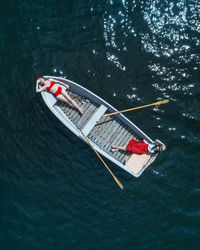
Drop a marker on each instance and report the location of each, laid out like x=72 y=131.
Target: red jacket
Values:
x=137 y=147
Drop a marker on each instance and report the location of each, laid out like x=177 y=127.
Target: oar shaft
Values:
x=117 y=181
x=144 y=106
x=127 y=110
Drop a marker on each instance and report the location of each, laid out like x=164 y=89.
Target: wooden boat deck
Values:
x=107 y=132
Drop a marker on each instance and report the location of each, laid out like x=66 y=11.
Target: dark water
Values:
x=55 y=194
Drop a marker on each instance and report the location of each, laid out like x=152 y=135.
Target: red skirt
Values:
x=137 y=147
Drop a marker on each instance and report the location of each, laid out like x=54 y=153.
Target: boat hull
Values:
x=102 y=132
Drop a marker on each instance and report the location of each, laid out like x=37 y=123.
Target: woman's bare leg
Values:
x=73 y=103
x=63 y=99
x=117 y=148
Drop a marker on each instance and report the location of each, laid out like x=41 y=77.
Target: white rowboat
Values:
x=102 y=132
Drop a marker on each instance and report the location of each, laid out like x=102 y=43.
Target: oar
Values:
x=126 y=110
x=120 y=185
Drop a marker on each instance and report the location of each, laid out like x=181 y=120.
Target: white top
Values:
x=151 y=147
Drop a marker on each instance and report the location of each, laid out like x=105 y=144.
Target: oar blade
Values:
x=161 y=102
x=119 y=184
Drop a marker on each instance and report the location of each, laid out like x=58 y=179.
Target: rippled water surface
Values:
x=55 y=193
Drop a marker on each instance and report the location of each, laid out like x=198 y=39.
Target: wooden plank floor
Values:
x=110 y=131
x=79 y=120
x=107 y=132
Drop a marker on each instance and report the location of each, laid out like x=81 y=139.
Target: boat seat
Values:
x=137 y=162
x=94 y=119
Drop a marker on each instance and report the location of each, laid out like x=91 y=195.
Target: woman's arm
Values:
x=62 y=83
x=36 y=86
x=39 y=89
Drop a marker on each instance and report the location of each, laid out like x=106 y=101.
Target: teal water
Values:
x=55 y=193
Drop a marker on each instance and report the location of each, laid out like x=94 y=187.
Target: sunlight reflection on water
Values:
x=168 y=33
x=170 y=28
x=113 y=26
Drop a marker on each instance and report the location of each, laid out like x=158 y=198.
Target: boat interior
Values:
x=102 y=131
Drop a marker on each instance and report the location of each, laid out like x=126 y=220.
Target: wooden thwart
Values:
x=94 y=119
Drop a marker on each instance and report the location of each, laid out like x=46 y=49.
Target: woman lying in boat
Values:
x=141 y=147
x=57 y=91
